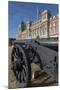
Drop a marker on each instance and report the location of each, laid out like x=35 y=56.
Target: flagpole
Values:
x=37 y=13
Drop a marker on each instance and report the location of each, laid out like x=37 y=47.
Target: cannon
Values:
x=43 y=52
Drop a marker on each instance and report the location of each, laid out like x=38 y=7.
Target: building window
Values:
x=43 y=31
x=56 y=29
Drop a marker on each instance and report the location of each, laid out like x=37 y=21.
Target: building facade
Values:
x=45 y=27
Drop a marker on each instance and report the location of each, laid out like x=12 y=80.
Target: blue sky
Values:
x=18 y=11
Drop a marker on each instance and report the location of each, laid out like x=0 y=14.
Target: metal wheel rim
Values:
x=21 y=74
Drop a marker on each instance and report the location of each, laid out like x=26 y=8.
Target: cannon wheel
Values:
x=21 y=67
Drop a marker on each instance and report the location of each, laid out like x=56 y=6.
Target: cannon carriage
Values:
x=43 y=52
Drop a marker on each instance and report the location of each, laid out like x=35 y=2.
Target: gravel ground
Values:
x=11 y=78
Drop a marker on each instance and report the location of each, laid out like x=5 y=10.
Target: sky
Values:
x=18 y=11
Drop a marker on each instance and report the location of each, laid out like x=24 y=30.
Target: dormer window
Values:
x=44 y=17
